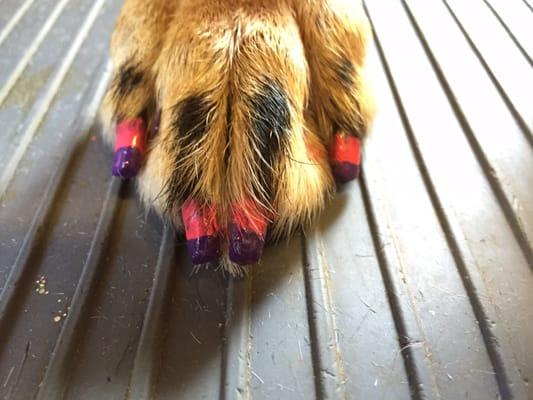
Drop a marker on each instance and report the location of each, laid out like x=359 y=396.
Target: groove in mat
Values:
x=326 y=351
x=54 y=383
x=17 y=72
x=40 y=109
x=491 y=173
x=493 y=336
x=148 y=352
x=14 y=20
x=236 y=353
x=88 y=110
x=521 y=122
x=509 y=32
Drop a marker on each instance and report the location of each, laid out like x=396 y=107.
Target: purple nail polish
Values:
x=201 y=231
x=345 y=172
x=204 y=249
x=127 y=162
x=246 y=246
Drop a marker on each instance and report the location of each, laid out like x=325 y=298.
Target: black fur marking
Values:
x=189 y=125
x=270 y=127
x=127 y=79
x=190 y=119
x=345 y=72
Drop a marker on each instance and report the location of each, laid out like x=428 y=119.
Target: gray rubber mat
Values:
x=416 y=282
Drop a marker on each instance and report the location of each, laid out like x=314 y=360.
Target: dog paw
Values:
x=238 y=116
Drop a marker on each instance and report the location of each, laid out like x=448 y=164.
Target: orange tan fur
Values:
x=348 y=32
x=229 y=57
x=138 y=36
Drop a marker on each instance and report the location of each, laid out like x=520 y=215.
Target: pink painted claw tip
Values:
x=201 y=232
x=130 y=144
x=345 y=157
x=247 y=234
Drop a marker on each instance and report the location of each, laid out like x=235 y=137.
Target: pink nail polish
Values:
x=130 y=146
x=247 y=234
x=345 y=157
x=201 y=232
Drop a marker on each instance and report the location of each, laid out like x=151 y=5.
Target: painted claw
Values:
x=201 y=232
x=345 y=157
x=247 y=234
x=130 y=146
x=127 y=162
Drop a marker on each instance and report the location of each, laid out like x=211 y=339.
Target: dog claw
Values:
x=247 y=235
x=130 y=146
x=201 y=232
x=345 y=157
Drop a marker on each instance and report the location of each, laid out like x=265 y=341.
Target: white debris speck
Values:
x=41 y=286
